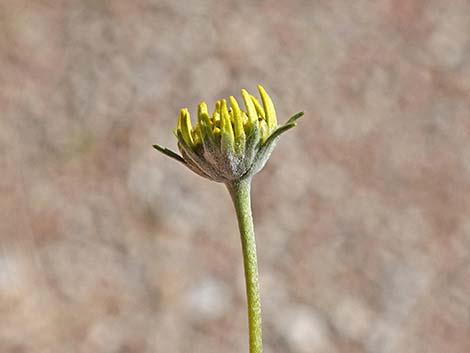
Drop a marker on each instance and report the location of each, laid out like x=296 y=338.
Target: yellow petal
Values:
x=216 y=132
x=259 y=108
x=184 y=125
x=250 y=107
x=264 y=130
x=216 y=114
x=226 y=126
x=204 y=122
x=268 y=108
x=202 y=108
x=237 y=118
x=197 y=134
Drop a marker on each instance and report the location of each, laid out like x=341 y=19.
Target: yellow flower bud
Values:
x=231 y=144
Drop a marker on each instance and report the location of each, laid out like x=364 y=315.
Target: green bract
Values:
x=230 y=144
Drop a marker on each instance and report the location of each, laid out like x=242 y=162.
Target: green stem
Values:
x=240 y=193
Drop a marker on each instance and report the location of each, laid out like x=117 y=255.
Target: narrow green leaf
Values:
x=278 y=132
x=294 y=117
x=169 y=153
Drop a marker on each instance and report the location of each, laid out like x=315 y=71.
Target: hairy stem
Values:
x=240 y=193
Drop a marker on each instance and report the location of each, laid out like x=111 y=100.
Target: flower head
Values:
x=230 y=144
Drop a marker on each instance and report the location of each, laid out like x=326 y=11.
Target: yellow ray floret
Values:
x=204 y=122
x=184 y=126
x=259 y=109
x=237 y=118
x=232 y=125
x=250 y=108
x=226 y=125
x=268 y=108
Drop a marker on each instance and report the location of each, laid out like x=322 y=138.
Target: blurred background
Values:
x=362 y=213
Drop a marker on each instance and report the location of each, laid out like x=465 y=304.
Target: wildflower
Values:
x=229 y=144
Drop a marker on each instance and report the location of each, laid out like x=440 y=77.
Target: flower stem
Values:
x=240 y=193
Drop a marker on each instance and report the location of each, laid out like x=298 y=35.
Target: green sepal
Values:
x=267 y=146
x=287 y=126
x=169 y=153
x=278 y=132
x=190 y=154
x=294 y=117
x=193 y=166
x=251 y=147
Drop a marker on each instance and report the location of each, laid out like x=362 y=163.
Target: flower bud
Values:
x=231 y=144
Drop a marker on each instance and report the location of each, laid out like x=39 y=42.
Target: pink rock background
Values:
x=362 y=213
